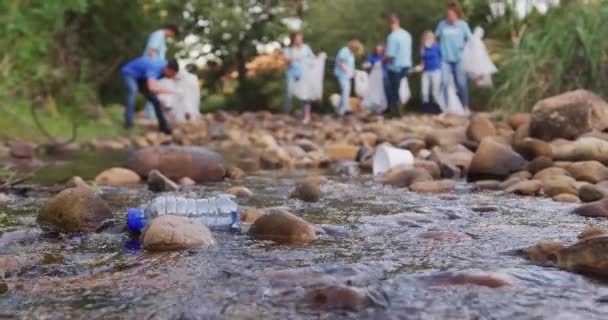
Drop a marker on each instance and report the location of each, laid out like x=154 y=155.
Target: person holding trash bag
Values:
x=453 y=34
x=344 y=71
x=141 y=74
x=295 y=55
x=398 y=57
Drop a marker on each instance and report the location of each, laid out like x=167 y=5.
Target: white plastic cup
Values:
x=388 y=157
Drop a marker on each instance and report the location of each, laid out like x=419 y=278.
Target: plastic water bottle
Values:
x=217 y=213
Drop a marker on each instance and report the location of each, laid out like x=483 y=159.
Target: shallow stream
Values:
x=375 y=237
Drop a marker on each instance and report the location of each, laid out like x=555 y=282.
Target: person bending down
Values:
x=141 y=74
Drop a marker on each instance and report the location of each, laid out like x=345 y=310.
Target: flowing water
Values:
x=375 y=238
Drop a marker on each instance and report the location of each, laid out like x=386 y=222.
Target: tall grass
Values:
x=566 y=49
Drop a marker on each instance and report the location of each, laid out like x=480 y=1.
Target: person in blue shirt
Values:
x=453 y=34
x=156 y=48
x=431 y=71
x=398 y=57
x=141 y=74
x=377 y=56
x=344 y=71
x=295 y=54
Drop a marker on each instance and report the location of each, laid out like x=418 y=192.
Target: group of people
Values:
x=441 y=63
x=162 y=83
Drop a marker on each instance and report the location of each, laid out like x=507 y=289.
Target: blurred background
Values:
x=62 y=57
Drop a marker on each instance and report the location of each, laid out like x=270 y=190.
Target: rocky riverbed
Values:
x=485 y=225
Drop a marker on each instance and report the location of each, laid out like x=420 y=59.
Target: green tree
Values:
x=234 y=29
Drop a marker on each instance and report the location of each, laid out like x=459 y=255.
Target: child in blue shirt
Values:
x=431 y=71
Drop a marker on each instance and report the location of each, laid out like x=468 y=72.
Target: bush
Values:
x=562 y=51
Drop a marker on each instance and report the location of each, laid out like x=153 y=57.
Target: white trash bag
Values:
x=361 y=83
x=454 y=104
x=375 y=98
x=310 y=85
x=184 y=104
x=404 y=91
x=476 y=61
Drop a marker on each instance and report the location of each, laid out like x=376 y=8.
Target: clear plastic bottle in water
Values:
x=217 y=213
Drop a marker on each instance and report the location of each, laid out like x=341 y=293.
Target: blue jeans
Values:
x=454 y=70
x=393 y=79
x=345 y=89
x=133 y=85
x=149 y=111
x=288 y=103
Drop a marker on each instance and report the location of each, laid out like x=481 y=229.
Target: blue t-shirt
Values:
x=156 y=41
x=294 y=70
x=144 y=68
x=348 y=58
x=453 y=38
x=432 y=57
x=399 y=48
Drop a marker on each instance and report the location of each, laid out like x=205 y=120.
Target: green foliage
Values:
x=564 y=50
x=330 y=24
x=232 y=30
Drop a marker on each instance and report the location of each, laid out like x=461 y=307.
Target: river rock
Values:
x=275 y=158
x=592 y=193
x=592 y=232
x=568 y=115
x=531 y=148
x=342 y=151
x=551 y=173
x=239 y=192
x=588 y=256
x=473 y=278
x=589 y=171
x=566 y=198
x=404 y=176
x=539 y=164
x=519 y=119
x=234 y=173
x=480 y=127
x=75 y=210
x=559 y=185
x=544 y=253
x=282 y=227
x=157 y=182
x=338 y=297
x=22 y=150
x=307 y=191
x=118 y=177
x=510 y=182
x=186 y=182
x=526 y=188
x=494 y=160
x=439 y=186
x=250 y=215
x=199 y=164
x=526 y=175
x=597 y=209
x=77 y=182
x=171 y=233
x=430 y=166
x=582 y=149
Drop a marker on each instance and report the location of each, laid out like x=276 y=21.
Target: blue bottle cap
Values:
x=136 y=219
